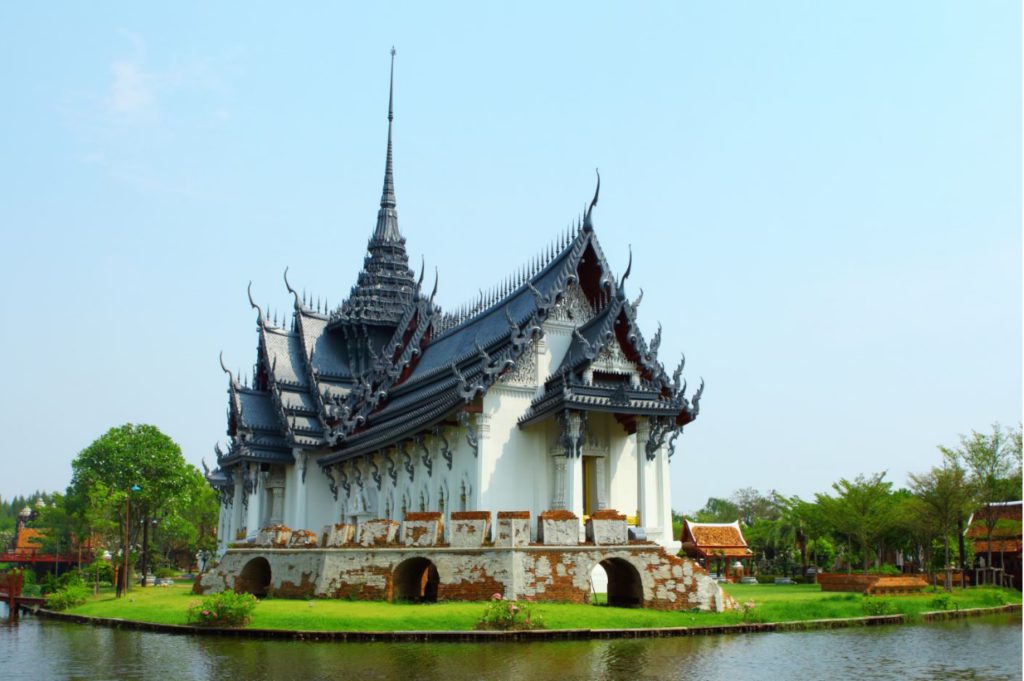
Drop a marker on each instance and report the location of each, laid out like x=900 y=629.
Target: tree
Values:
x=190 y=526
x=990 y=460
x=945 y=496
x=861 y=509
x=141 y=471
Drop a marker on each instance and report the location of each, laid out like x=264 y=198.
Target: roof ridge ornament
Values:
x=298 y=301
x=261 y=321
x=629 y=269
x=588 y=226
x=231 y=377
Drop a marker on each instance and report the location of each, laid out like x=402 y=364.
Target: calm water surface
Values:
x=987 y=648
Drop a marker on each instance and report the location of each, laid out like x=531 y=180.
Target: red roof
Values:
x=714 y=539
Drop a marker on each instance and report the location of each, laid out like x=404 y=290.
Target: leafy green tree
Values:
x=142 y=473
x=862 y=509
x=945 y=496
x=190 y=526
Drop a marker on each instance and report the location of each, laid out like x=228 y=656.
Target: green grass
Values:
x=168 y=605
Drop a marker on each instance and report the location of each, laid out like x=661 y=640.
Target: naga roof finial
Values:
x=231 y=377
x=423 y=269
x=298 y=301
x=588 y=226
x=434 y=292
x=625 y=275
x=261 y=321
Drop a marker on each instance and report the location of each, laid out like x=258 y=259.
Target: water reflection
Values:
x=988 y=648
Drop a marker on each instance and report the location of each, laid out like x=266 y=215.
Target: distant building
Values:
x=716 y=544
x=1005 y=544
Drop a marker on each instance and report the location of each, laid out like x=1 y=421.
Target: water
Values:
x=985 y=648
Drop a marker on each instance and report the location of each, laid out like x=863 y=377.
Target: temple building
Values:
x=539 y=399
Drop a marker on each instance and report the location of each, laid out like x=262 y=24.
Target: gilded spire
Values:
x=387 y=216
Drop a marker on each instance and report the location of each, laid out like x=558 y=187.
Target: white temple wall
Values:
x=622 y=472
x=513 y=461
x=319 y=502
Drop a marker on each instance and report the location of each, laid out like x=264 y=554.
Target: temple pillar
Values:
x=646 y=488
x=275 y=482
x=253 y=506
x=299 y=515
x=572 y=478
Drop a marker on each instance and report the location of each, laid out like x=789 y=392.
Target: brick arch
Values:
x=628 y=578
x=254 y=578
x=415 y=579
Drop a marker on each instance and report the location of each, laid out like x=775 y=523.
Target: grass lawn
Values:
x=772 y=603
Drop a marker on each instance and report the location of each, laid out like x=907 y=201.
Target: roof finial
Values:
x=587 y=224
x=387 y=216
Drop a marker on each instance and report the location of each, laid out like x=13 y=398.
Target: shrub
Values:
x=509 y=615
x=67 y=596
x=994 y=598
x=941 y=602
x=165 y=572
x=875 y=606
x=226 y=609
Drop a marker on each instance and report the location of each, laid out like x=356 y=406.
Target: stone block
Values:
x=422 y=529
x=274 y=537
x=379 y=532
x=607 y=528
x=337 y=535
x=558 y=528
x=513 y=529
x=469 y=529
x=303 y=539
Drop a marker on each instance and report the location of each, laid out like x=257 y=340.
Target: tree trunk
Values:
x=145 y=548
x=945 y=568
x=963 y=550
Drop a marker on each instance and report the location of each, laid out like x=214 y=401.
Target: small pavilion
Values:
x=718 y=542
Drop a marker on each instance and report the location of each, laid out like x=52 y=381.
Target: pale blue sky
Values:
x=823 y=200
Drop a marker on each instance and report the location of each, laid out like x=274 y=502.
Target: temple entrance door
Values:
x=590 y=483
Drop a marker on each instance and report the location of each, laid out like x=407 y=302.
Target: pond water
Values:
x=985 y=648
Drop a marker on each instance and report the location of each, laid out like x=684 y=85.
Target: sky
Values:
x=823 y=202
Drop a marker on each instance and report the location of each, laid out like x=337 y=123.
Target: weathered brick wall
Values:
x=513 y=529
x=607 y=527
x=380 y=532
x=665 y=582
x=422 y=529
x=870 y=584
x=558 y=528
x=337 y=535
x=470 y=529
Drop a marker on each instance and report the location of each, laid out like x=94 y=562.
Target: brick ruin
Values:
x=385 y=560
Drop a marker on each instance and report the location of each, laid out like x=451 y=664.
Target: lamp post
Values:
x=127 y=525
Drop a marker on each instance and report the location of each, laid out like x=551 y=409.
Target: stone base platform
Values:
x=639 y=575
x=377 y=562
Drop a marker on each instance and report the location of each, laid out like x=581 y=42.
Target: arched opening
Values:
x=254 y=578
x=625 y=590
x=415 y=580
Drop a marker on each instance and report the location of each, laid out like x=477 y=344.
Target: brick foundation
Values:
x=422 y=568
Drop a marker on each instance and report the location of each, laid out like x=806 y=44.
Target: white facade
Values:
x=484 y=460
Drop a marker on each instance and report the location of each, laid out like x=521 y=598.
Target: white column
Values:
x=668 y=539
x=254 y=510
x=236 y=506
x=572 y=434
x=643 y=432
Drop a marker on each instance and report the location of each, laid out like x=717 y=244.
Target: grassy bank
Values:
x=771 y=603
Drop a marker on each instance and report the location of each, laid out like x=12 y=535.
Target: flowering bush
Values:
x=226 y=609
x=507 y=615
